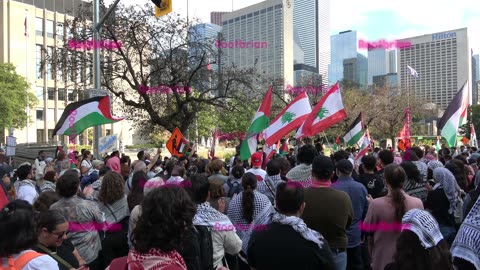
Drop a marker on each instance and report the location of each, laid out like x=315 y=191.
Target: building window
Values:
x=60 y=31
x=49 y=29
x=61 y=93
x=40 y=114
x=70 y=95
x=39 y=26
x=49 y=64
x=39 y=92
x=40 y=136
x=38 y=57
x=51 y=93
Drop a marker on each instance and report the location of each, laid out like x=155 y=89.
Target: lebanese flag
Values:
x=364 y=145
x=260 y=121
x=289 y=119
x=327 y=112
x=455 y=116
x=83 y=114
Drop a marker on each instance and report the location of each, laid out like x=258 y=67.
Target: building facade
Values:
x=380 y=62
x=475 y=79
x=216 y=17
x=27 y=47
x=443 y=63
x=344 y=53
x=260 y=35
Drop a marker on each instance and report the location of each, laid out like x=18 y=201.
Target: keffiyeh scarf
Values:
x=424 y=225
x=155 y=259
x=446 y=179
x=262 y=215
x=299 y=226
x=208 y=216
x=467 y=243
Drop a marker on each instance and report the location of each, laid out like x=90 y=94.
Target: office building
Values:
x=388 y=81
x=47 y=32
x=208 y=34
x=344 y=52
x=475 y=78
x=443 y=63
x=380 y=62
x=216 y=17
x=260 y=35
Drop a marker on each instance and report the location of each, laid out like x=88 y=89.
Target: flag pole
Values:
x=26 y=68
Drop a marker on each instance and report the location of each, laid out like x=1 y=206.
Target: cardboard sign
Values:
x=107 y=144
x=177 y=145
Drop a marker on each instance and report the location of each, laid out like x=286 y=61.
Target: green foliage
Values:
x=79 y=147
x=141 y=146
x=14 y=98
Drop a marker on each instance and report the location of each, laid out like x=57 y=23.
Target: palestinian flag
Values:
x=83 y=114
x=284 y=148
x=455 y=116
x=355 y=131
x=364 y=145
x=438 y=146
x=289 y=119
x=260 y=121
x=327 y=112
x=473 y=136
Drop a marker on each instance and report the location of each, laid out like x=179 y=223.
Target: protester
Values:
x=27 y=188
x=217 y=197
x=48 y=181
x=421 y=245
x=114 y=162
x=62 y=162
x=385 y=157
x=249 y=207
x=234 y=183
x=92 y=191
x=272 y=179
x=287 y=243
x=382 y=243
x=302 y=173
x=224 y=238
x=358 y=196
x=135 y=197
x=414 y=186
x=257 y=159
x=167 y=213
x=442 y=202
x=52 y=229
x=40 y=164
x=417 y=160
x=83 y=213
x=327 y=210
x=45 y=200
x=177 y=175
x=17 y=224
x=86 y=167
x=372 y=181
x=216 y=167
x=472 y=196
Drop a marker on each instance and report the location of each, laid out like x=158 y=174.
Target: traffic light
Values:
x=162 y=7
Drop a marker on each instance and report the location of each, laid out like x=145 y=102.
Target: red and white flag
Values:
x=26 y=26
x=364 y=145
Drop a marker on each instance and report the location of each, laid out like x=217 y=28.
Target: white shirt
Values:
x=87 y=164
x=27 y=193
x=261 y=174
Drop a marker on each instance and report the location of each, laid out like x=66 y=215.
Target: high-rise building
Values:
x=216 y=17
x=380 y=62
x=46 y=32
x=475 y=78
x=205 y=33
x=443 y=63
x=311 y=36
x=260 y=35
x=343 y=52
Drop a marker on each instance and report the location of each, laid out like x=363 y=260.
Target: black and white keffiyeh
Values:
x=424 y=225
x=208 y=216
x=467 y=243
x=445 y=178
x=262 y=215
x=299 y=226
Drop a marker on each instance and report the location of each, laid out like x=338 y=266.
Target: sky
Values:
x=372 y=19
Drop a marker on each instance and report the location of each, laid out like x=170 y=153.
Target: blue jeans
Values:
x=340 y=260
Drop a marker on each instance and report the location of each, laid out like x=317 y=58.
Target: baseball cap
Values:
x=257 y=159
x=97 y=162
x=344 y=166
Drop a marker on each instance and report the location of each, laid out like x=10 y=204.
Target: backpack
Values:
x=197 y=248
x=21 y=261
x=233 y=188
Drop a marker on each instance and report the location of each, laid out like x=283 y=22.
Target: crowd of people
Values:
x=392 y=210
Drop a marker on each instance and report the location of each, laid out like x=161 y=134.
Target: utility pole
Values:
x=97 y=26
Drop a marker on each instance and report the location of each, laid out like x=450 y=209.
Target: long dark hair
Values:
x=411 y=254
x=249 y=183
x=135 y=197
x=456 y=166
x=395 y=176
x=413 y=174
